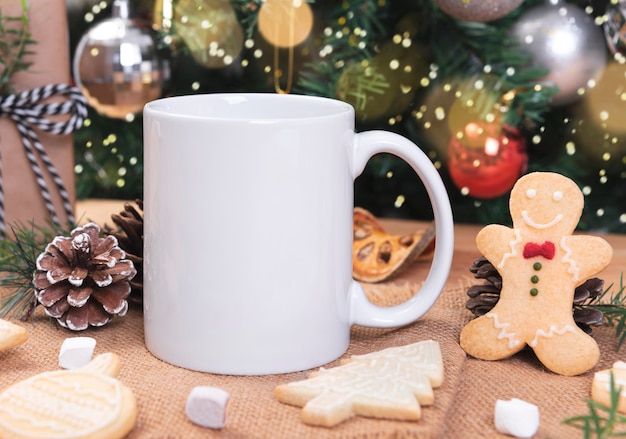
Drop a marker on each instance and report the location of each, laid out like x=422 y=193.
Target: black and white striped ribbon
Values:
x=28 y=113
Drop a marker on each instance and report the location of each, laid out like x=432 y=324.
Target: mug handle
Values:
x=365 y=313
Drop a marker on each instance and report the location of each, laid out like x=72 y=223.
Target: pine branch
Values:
x=471 y=49
x=342 y=46
x=613 y=309
x=601 y=422
x=248 y=13
x=18 y=257
x=14 y=43
x=463 y=51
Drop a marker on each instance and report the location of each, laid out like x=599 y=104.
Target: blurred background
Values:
x=488 y=89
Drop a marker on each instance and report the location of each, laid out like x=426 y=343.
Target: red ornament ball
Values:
x=487 y=165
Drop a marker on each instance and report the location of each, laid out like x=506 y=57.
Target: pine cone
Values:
x=482 y=298
x=130 y=239
x=83 y=279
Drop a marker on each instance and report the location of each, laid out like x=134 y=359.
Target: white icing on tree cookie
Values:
x=390 y=384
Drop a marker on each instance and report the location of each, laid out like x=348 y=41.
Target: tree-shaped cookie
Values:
x=391 y=384
x=541 y=262
x=87 y=402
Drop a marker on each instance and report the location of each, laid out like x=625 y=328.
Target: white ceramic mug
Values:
x=248 y=205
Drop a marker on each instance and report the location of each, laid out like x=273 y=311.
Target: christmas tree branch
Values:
x=474 y=49
x=13 y=46
x=248 y=13
x=459 y=50
x=348 y=40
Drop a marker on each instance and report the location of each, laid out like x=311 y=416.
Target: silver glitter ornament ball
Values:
x=563 y=39
x=478 y=10
x=117 y=66
x=615 y=29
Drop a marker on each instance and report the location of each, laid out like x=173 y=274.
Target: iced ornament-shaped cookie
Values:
x=85 y=403
x=391 y=384
x=541 y=263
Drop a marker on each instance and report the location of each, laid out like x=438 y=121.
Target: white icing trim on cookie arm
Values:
x=511 y=336
x=573 y=267
x=551 y=332
x=530 y=223
x=512 y=244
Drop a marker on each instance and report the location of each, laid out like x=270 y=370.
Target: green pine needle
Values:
x=459 y=49
x=14 y=43
x=602 y=422
x=320 y=76
x=18 y=257
x=613 y=309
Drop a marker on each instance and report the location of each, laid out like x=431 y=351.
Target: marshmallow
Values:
x=517 y=418
x=76 y=352
x=206 y=406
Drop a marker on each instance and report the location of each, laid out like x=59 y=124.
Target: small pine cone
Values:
x=585 y=318
x=483 y=269
x=130 y=238
x=589 y=290
x=482 y=298
x=83 y=280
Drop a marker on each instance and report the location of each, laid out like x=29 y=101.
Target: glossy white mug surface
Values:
x=248 y=218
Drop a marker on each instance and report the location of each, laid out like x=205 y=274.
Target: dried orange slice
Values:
x=377 y=255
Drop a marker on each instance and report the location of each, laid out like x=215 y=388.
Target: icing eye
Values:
x=557 y=196
x=531 y=193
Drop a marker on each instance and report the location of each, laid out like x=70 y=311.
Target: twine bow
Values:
x=27 y=112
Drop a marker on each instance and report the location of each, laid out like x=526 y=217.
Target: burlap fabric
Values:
x=463 y=408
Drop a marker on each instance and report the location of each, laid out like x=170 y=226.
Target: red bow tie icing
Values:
x=532 y=249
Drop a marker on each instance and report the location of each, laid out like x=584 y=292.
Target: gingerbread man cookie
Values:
x=541 y=264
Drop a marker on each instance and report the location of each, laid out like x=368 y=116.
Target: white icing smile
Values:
x=530 y=223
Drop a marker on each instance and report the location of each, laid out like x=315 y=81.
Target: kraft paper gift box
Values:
x=23 y=202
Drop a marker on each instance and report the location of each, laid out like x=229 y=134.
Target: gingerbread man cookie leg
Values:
x=504 y=343
x=556 y=353
x=541 y=263
x=493 y=336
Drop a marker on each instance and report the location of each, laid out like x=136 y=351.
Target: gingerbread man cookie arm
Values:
x=585 y=255
x=497 y=243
